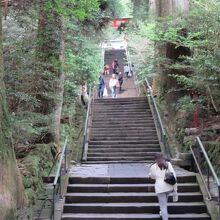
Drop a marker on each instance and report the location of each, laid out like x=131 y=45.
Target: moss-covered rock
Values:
x=36 y=163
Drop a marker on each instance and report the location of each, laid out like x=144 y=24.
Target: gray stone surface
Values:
x=116 y=170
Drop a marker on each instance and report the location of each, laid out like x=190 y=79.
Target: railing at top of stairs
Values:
x=206 y=170
x=162 y=132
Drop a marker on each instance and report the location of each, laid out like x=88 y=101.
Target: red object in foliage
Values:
x=195 y=119
x=118 y=22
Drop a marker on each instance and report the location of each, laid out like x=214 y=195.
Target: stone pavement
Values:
x=117 y=170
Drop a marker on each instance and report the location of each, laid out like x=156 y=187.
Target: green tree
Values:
x=50 y=57
x=10 y=183
x=50 y=48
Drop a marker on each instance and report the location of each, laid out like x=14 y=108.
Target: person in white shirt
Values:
x=162 y=189
x=126 y=70
x=113 y=84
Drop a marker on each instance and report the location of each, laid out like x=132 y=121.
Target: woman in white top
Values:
x=162 y=189
x=113 y=84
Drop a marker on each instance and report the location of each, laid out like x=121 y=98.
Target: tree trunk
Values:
x=50 y=55
x=163 y=82
x=172 y=7
x=10 y=182
x=140 y=9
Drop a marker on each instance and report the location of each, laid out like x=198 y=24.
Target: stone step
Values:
x=141 y=138
x=88 y=188
x=124 y=145
x=132 y=124
x=121 y=122
x=121 y=142
x=122 y=126
x=118 y=161
x=122 y=114
x=127 y=119
x=127 y=197
x=127 y=98
x=117 y=118
x=118 y=112
x=122 y=104
x=125 y=180
x=121 y=100
x=122 y=134
x=124 y=148
x=121 y=158
x=144 y=106
x=117 y=154
x=133 y=150
x=132 y=216
x=127 y=129
x=128 y=122
x=121 y=109
x=101 y=117
x=153 y=208
x=145 y=125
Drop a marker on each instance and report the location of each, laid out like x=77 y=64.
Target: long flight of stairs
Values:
x=122 y=130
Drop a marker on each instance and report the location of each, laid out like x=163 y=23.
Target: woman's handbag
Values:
x=169 y=177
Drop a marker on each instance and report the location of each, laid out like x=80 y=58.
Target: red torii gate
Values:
x=118 y=22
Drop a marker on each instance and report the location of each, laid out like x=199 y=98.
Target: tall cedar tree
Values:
x=10 y=182
x=50 y=54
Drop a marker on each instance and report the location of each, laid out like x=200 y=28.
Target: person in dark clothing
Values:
x=115 y=66
x=101 y=86
x=120 y=80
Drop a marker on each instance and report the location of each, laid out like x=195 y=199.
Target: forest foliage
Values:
x=50 y=49
x=179 y=54
x=193 y=63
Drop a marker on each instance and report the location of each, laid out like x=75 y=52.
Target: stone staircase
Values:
x=122 y=130
x=112 y=183
x=130 y=198
x=108 y=186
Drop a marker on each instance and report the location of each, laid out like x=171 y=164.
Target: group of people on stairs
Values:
x=116 y=81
